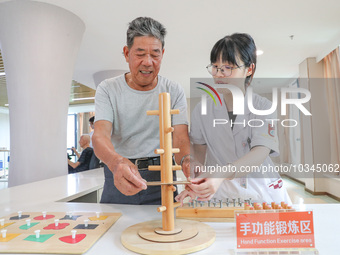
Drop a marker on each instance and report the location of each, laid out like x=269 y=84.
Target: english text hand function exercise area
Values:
x=179 y=127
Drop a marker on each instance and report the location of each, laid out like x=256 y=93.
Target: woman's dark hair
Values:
x=233 y=47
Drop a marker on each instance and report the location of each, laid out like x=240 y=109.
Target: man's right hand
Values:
x=127 y=178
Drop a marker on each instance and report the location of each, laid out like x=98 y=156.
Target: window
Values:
x=71 y=132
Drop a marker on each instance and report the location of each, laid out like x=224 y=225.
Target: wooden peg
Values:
x=174 y=111
x=175 y=150
x=153 y=112
x=154 y=168
x=176 y=167
x=158 y=168
x=169 y=130
x=161 y=208
x=159 y=151
x=177 y=204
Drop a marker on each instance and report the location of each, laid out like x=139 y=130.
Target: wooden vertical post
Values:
x=165 y=151
x=166 y=161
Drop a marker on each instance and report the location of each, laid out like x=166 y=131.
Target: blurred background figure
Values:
x=84 y=159
x=91 y=122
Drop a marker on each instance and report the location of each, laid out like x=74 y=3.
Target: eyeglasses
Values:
x=225 y=70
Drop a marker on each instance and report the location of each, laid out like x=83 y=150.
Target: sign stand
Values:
x=275 y=233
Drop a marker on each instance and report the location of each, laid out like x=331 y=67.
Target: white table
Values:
x=65 y=188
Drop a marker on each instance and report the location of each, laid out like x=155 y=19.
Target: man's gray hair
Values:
x=145 y=26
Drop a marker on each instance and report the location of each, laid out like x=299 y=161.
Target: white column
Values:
x=39 y=44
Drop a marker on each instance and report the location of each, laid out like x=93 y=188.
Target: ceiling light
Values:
x=6 y=104
x=259 y=52
x=83 y=98
x=2 y=74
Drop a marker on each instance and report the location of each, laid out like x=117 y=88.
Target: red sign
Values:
x=275 y=230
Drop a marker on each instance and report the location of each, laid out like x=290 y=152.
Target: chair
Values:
x=94 y=163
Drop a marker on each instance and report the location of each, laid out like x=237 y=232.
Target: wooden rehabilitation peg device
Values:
x=163 y=236
x=165 y=151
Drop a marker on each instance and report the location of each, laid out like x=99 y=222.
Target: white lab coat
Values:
x=226 y=145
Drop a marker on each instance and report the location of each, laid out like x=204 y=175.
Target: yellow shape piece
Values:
x=6 y=225
x=9 y=237
x=100 y=218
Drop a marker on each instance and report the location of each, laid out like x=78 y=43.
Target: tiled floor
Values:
x=298 y=195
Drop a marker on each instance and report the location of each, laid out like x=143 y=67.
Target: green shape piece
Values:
x=41 y=239
x=25 y=227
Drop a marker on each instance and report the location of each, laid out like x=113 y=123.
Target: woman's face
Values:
x=237 y=76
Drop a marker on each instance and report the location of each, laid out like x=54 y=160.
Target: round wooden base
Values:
x=142 y=238
x=152 y=232
x=163 y=232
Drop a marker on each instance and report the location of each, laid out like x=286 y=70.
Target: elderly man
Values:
x=84 y=159
x=124 y=136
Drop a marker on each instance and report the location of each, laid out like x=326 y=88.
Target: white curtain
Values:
x=332 y=75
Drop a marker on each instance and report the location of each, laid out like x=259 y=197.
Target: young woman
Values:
x=241 y=143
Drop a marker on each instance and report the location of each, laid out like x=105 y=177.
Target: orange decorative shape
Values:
x=8 y=237
x=94 y=218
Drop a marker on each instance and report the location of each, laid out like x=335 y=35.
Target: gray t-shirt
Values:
x=134 y=133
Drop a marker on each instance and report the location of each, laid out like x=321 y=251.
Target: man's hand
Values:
x=74 y=165
x=76 y=152
x=127 y=178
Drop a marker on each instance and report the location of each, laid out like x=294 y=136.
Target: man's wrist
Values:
x=114 y=161
x=184 y=158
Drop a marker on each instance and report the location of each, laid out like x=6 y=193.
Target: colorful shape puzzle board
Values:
x=21 y=238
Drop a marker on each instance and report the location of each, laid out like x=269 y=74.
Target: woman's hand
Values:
x=205 y=188
x=185 y=193
x=201 y=188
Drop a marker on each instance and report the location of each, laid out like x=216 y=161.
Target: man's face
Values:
x=81 y=141
x=144 y=58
